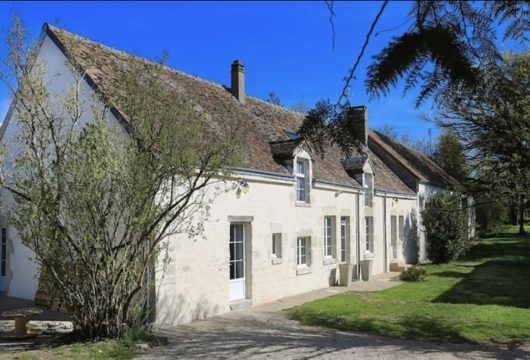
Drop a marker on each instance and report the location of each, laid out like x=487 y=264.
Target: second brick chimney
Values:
x=237 y=87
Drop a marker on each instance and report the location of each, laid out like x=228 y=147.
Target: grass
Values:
x=483 y=298
x=110 y=349
x=119 y=349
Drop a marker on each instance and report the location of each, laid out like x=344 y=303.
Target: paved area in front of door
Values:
x=263 y=332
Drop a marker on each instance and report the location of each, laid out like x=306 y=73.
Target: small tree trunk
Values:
x=521 y=217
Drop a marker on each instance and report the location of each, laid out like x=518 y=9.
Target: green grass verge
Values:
x=110 y=349
x=484 y=297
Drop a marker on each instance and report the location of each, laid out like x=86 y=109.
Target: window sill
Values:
x=302 y=270
x=303 y=204
x=369 y=255
x=329 y=261
x=276 y=261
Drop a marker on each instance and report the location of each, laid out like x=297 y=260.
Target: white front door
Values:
x=3 y=259
x=237 y=262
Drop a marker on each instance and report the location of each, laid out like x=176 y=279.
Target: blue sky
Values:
x=285 y=46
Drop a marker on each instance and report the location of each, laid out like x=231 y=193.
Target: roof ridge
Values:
x=280 y=107
x=172 y=69
x=139 y=57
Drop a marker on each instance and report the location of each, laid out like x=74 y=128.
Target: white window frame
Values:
x=329 y=235
x=369 y=243
x=369 y=189
x=344 y=238
x=401 y=229
x=304 y=177
x=303 y=260
x=394 y=235
x=276 y=250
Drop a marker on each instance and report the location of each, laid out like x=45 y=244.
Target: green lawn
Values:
x=102 y=350
x=484 y=297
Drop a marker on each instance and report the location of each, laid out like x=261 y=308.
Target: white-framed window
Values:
x=369 y=234
x=329 y=235
x=344 y=237
x=277 y=245
x=369 y=190
x=401 y=233
x=303 y=251
x=393 y=236
x=302 y=180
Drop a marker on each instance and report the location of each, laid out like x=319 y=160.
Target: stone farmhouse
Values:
x=292 y=221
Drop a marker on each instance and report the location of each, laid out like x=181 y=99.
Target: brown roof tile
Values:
x=258 y=121
x=418 y=164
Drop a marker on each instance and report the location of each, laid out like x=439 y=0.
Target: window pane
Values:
x=300 y=167
x=239 y=251
x=343 y=239
x=300 y=189
x=239 y=233
x=239 y=270
x=401 y=228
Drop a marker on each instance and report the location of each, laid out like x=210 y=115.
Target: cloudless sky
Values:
x=286 y=46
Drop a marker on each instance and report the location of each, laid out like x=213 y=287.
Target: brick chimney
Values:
x=238 y=81
x=361 y=112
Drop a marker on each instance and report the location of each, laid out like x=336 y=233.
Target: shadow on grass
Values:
x=405 y=327
x=501 y=279
x=503 y=282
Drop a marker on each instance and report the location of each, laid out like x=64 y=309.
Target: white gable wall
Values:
x=22 y=271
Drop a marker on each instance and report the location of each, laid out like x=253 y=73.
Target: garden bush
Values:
x=413 y=273
x=446 y=227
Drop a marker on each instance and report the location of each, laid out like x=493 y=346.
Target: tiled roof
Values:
x=422 y=167
x=259 y=122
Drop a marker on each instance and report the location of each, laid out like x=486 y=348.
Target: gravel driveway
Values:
x=263 y=332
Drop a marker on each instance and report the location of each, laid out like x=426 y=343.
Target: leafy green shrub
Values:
x=490 y=216
x=413 y=273
x=446 y=227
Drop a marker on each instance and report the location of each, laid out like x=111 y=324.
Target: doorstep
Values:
x=240 y=304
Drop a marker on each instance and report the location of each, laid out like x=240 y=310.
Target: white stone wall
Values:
x=22 y=271
x=196 y=282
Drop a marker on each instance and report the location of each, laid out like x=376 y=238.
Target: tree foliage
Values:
x=423 y=145
x=439 y=52
x=274 y=99
x=445 y=42
x=97 y=203
x=493 y=124
x=324 y=125
x=450 y=156
x=446 y=227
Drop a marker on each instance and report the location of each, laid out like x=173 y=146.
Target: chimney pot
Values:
x=237 y=87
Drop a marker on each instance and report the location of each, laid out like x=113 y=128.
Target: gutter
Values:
x=384 y=233
x=358 y=234
x=396 y=194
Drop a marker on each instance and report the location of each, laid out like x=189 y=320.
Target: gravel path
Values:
x=263 y=332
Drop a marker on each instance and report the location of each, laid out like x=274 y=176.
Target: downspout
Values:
x=384 y=233
x=358 y=235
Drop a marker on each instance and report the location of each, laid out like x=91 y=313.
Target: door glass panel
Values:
x=239 y=269
x=237 y=249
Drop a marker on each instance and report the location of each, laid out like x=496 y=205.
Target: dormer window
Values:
x=302 y=180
